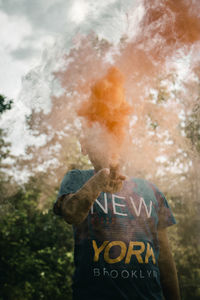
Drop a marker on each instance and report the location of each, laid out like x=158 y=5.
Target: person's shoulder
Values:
x=78 y=174
x=88 y=171
x=70 y=174
x=73 y=171
x=86 y=174
x=141 y=181
x=80 y=171
x=145 y=182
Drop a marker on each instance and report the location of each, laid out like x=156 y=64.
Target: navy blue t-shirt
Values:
x=116 y=247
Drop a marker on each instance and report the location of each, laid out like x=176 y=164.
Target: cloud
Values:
x=24 y=53
x=79 y=11
x=58 y=16
x=14 y=30
x=47 y=15
x=20 y=50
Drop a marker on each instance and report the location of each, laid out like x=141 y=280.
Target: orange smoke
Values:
x=172 y=24
x=108 y=107
x=168 y=30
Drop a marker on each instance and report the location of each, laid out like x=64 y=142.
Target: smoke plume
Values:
x=107 y=110
x=160 y=81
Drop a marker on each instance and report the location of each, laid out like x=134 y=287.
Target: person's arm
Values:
x=75 y=207
x=168 y=274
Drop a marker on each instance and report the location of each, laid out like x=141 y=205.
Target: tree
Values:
x=36 y=250
x=36 y=246
x=5 y=104
x=4 y=153
x=193 y=126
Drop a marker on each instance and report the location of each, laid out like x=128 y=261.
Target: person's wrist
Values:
x=100 y=178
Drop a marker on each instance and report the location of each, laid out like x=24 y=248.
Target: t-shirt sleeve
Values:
x=165 y=215
x=69 y=185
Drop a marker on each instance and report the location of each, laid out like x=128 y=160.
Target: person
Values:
x=121 y=248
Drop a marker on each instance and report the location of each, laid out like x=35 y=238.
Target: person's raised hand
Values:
x=110 y=180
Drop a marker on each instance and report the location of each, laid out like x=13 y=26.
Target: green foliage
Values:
x=4 y=146
x=193 y=127
x=4 y=153
x=4 y=104
x=36 y=247
x=185 y=246
x=36 y=251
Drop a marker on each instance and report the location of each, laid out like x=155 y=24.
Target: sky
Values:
x=30 y=27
